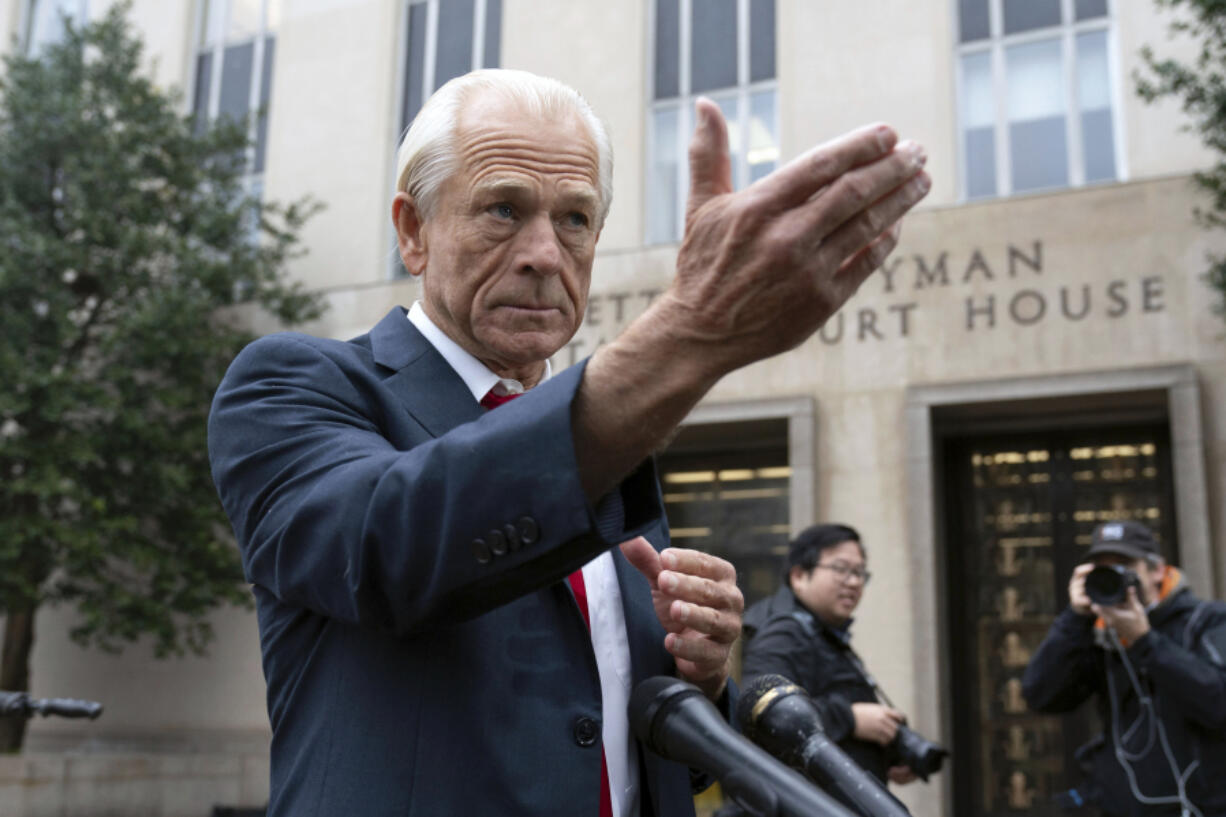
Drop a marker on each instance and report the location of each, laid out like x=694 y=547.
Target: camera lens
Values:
x=917 y=753
x=1107 y=585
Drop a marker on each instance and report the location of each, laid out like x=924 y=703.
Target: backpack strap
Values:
x=1191 y=633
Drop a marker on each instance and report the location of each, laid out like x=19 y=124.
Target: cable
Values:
x=1125 y=758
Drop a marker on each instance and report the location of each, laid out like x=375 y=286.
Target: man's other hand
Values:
x=876 y=723
x=1128 y=618
x=901 y=775
x=699 y=605
x=1077 y=598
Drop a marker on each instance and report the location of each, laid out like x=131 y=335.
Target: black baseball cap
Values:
x=1125 y=538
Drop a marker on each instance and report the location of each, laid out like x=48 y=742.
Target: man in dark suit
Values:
x=448 y=623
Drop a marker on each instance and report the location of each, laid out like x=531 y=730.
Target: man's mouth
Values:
x=536 y=308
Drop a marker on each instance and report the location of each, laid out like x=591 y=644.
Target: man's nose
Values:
x=540 y=249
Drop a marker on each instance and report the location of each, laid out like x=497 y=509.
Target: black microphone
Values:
x=676 y=721
x=781 y=718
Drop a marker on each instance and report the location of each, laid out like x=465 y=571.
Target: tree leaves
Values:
x=124 y=228
x=1201 y=91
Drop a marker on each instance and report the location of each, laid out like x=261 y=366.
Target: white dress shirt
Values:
x=604 y=598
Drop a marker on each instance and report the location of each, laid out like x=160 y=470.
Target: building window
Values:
x=723 y=49
x=1035 y=95
x=44 y=21
x=234 y=62
x=727 y=492
x=444 y=39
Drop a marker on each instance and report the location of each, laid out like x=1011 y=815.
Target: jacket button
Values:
x=497 y=542
x=587 y=731
x=529 y=532
x=512 y=534
x=481 y=551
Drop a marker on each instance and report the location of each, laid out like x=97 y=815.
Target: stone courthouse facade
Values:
x=1040 y=353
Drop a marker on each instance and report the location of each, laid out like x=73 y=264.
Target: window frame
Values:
x=683 y=104
x=995 y=45
x=400 y=122
x=25 y=21
x=253 y=180
x=430 y=51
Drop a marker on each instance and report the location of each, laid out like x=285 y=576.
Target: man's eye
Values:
x=576 y=219
x=503 y=210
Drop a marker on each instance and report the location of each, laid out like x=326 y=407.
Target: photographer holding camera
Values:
x=1154 y=656
x=802 y=633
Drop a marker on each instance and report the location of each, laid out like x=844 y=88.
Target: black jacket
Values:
x=786 y=639
x=1181 y=668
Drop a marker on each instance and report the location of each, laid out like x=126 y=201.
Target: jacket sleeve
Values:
x=782 y=647
x=1063 y=671
x=1193 y=678
x=332 y=517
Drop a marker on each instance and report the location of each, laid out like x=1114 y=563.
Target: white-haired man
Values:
x=448 y=623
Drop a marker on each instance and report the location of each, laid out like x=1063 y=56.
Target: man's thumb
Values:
x=710 y=165
x=639 y=552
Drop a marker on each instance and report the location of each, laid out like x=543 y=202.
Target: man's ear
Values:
x=410 y=233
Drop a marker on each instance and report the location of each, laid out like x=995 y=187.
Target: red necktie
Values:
x=492 y=400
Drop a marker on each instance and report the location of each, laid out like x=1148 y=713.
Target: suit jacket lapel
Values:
x=396 y=344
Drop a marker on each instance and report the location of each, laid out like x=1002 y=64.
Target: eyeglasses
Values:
x=845 y=572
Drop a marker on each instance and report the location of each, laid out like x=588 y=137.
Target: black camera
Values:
x=917 y=753
x=1107 y=585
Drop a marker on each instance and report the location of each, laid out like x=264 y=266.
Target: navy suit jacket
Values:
x=407 y=550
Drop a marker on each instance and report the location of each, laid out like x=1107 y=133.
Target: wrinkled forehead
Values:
x=496 y=134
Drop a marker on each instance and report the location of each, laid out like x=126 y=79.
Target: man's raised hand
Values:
x=761 y=269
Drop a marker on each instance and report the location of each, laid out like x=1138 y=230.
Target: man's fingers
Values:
x=800 y=178
x=710 y=163
x=702 y=592
x=697 y=563
x=703 y=652
x=856 y=270
x=724 y=627
x=639 y=552
x=863 y=227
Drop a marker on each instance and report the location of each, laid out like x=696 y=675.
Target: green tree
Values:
x=125 y=233
x=1200 y=87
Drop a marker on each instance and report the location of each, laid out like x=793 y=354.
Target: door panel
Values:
x=1020 y=511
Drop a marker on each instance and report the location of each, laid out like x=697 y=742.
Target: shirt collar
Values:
x=475 y=374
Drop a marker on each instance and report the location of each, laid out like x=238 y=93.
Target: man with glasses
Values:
x=802 y=633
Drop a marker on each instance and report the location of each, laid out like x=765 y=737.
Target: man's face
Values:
x=1150 y=575
x=831 y=596
x=506 y=258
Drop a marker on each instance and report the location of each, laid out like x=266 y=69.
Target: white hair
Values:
x=427 y=153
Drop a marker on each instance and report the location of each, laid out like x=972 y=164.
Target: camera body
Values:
x=1107 y=585
x=916 y=752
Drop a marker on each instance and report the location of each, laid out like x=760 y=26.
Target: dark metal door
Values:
x=1020 y=509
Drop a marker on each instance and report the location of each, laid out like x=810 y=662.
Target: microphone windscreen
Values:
x=756 y=696
x=648 y=698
